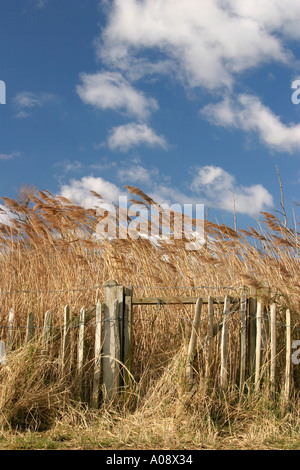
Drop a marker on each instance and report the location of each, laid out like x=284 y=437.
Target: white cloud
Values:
x=109 y=90
x=27 y=100
x=79 y=191
x=275 y=15
x=40 y=3
x=133 y=134
x=164 y=193
x=246 y=112
x=209 y=185
x=135 y=173
x=5 y=215
x=219 y=189
x=9 y=156
x=214 y=187
x=70 y=166
x=205 y=43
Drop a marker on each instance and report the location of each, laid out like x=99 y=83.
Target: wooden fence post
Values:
x=47 y=330
x=252 y=335
x=113 y=311
x=97 y=367
x=66 y=342
x=273 y=348
x=192 y=344
x=265 y=340
x=10 y=330
x=210 y=333
x=81 y=347
x=224 y=343
x=258 y=344
x=243 y=341
x=127 y=333
x=29 y=328
x=287 y=385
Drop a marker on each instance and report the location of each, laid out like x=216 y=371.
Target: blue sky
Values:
x=188 y=100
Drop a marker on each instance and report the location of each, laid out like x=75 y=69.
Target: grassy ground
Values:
x=165 y=434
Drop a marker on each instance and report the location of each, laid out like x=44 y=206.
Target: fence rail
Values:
x=112 y=341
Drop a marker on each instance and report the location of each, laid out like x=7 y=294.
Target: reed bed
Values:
x=50 y=257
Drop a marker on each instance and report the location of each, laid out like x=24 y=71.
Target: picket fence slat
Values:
x=210 y=333
x=127 y=351
x=10 y=329
x=66 y=342
x=80 y=358
x=287 y=386
x=97 y=367
x=273 y=347
x=224 y=344
x=252 y=335
x=29 y=328
x=47 y=330
x=243 y=334
x=192 y=343
x=258 y=344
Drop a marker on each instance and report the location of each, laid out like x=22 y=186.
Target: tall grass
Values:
x=50 y=257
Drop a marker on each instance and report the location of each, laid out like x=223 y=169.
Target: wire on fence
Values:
x=82 y=289
x=51 y=291
x=159 y=303
x=189 y=320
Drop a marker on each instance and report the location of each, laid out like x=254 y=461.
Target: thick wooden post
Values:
x=113 y=312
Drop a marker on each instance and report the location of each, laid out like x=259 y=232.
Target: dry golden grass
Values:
x=50 y=257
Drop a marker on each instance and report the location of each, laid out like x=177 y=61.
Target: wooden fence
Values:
x=112 y=345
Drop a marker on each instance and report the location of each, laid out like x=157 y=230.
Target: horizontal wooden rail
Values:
x=175 y=300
